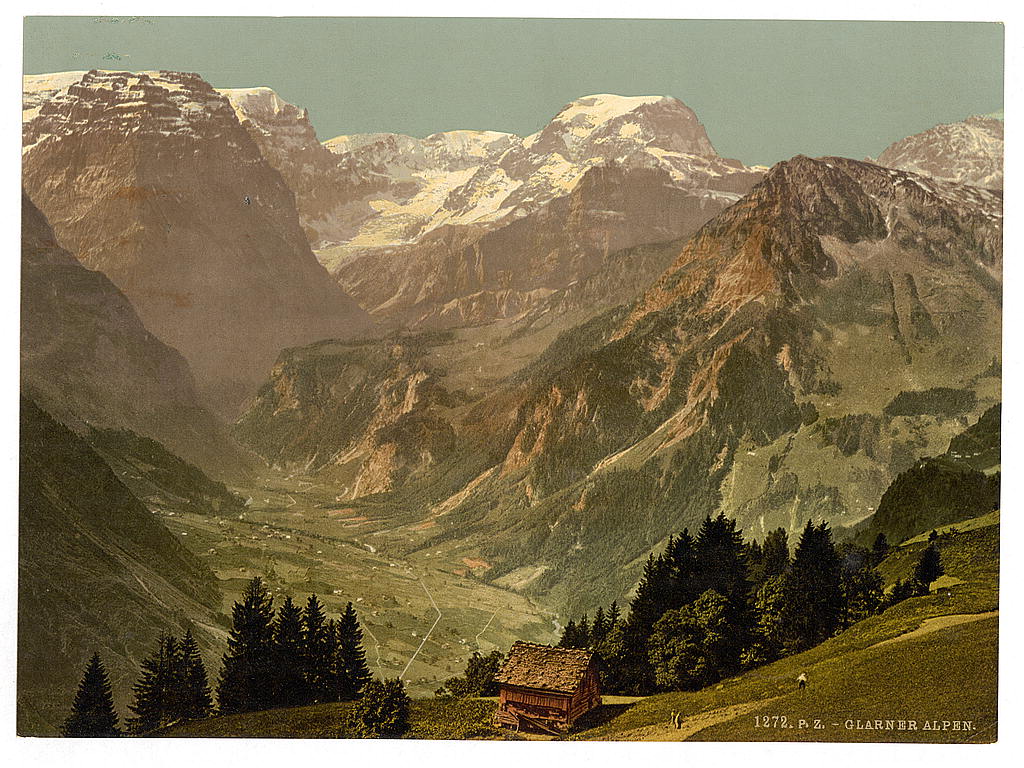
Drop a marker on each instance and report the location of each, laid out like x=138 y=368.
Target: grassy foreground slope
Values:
x=429 y=719
x=946 y=670
x=930 y=658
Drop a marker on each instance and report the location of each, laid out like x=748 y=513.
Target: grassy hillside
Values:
x=905 y=664
x=429 y=719
x=920 y=676
x=96 y=572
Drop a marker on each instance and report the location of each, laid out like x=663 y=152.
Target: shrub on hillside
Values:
x=381 y=713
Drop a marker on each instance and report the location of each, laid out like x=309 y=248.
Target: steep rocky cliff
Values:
x=370 y=414
x=87 y=357
x=828 y=290
x=150 y=178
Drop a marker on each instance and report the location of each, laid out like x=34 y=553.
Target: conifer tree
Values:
x=634 y=671
x=813 y=604
x=92 y=713
x=681 y=561
x=335 y=670
x=196 y=699
x=353 y=671
x=775 y=553
x=569 y=635
x=880 y=549
x=290 y=683
x=613 y=616
x=583 y=633
x=247 y=676
x=598 y=629
x=721 y=562
x=158 y=692
x=316 y=648
x=928 y=569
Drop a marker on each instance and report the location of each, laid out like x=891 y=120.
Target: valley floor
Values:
x=423 y=610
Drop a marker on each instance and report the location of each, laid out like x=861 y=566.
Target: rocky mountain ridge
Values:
x=752 y=378
x=967 y=152
x=470 y=226
x=150 y=178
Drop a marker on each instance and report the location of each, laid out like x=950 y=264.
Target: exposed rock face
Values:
x=371 y=413
x=968 y=152
x=795 y=301
x=151 y=179
x=97 y=572
x=87 y=357
x=470 y=226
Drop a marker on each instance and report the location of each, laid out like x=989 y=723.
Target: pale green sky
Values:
x=765 y=90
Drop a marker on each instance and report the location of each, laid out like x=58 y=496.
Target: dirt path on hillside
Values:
x=691 y=724
x=935 y=624
x=696 y=723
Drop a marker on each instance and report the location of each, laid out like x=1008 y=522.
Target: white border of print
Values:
x=210 y=752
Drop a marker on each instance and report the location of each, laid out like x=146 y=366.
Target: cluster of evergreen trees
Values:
x=286 y=658
x=298 y=657
x=712 y=604
x=173 y=686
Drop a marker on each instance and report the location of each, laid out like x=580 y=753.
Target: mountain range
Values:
x=538 y=356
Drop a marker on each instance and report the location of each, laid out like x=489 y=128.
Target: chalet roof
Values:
x=530 y=665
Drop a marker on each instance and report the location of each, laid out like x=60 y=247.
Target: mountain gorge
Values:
x=733 y=383
x=88 y=359
x=151 y=179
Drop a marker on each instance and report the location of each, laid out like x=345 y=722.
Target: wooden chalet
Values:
x=545 y=687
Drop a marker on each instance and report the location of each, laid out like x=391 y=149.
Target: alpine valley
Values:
x=467 y=382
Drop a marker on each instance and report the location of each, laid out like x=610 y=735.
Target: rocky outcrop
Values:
x=699 y=398
x=150 y=178
x=372 y=414
x=87 y=358
x=968 y=152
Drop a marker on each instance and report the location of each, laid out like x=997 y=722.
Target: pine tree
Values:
x=613 y=616
x=928 y=569
x=569 y=635
x=583 y=633
x=353 y=671
x=681 y=561
x=598 y=630
x=335 y=669
x=290 y=687
x=775 y=553
x=196 y=699
x=634 y=671
x=247 y=677
x=813 y=604
x=92 y=713
x=316 y=648
x=158 y=692
x=880 y=549
x=720 y=561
